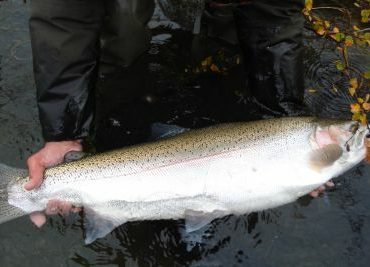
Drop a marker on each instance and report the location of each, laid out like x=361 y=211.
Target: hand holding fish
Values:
x=315 y=193
x=51 y=154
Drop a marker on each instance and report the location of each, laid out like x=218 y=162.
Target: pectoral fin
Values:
x=325 y=156
x=195 y=220
x=98 y=223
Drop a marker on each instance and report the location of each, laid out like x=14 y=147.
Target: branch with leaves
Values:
x=346 y=36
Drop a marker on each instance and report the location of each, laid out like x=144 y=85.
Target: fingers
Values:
x=50 y=155
x=38 y=218
x=54 y=207
x=36 y=173
x=321 y=189
x=63 y=208
x=314 y=194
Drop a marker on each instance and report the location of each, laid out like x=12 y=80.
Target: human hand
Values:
x=53 y=207
x=50 y=155
x=315 y=193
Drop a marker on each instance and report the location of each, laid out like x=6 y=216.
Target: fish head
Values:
x=348 y=134
x=342 y=143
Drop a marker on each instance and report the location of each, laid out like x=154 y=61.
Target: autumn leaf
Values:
x=214 y=68
x=308 y=5
x=339 y=65
x=353 y=83
x=348 y=41
x=365 y=14
x=353 y=86
x=338 y=36
x=207 y=61
x=366 y=106
x=319 y=29
x=355 y=108
x=367 y=74
x=361 y=117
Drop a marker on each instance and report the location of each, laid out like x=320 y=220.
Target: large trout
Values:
x=203 y=174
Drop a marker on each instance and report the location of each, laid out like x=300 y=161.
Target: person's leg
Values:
x=125 y=35
x=65 y=46
x=270 y=34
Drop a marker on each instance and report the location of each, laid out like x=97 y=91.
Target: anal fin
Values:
x=98 y=223
x=195 y=220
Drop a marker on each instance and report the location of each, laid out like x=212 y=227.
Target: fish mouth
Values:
x=350 y=136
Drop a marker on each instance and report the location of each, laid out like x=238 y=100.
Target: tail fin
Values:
x=8 y=174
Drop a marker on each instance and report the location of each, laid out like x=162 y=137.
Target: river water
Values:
x=333 y=230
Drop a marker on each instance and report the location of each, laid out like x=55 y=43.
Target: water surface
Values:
x=333 y=230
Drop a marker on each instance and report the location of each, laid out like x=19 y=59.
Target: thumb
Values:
x=36 y=174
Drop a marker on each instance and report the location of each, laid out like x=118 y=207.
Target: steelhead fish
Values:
x=198 y=175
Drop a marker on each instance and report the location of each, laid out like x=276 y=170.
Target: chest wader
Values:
x=68 y=39
x=270 y=35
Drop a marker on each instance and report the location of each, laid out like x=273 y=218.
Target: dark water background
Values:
x=333 y=230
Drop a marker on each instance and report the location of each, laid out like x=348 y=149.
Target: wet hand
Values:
x=54 y=207
x=50 y=155
x=315 y=193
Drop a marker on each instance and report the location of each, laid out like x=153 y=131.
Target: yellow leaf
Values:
x=320 y=30
x=311 y=90
x=207 y=61
x=356 y=28
x=367 y=74
x=366 y=106
x=348 y=41
x=352 y=91
x=360 y=100
x=214 y=68
x=363 y=119
x=355 y=108
x=335 y=30
x=339 y=65
x=338 y=36
x=360 y=117
x=367 y=97
x=308 y=5
x=353 y=83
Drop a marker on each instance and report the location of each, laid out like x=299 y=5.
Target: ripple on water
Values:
x=327 y=88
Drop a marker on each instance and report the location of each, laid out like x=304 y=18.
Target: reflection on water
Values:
x=330 y=231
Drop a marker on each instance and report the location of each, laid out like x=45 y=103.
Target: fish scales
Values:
x=225 y=169
x=187 y=146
